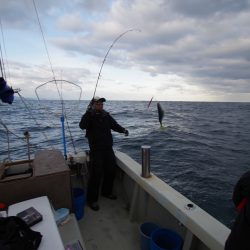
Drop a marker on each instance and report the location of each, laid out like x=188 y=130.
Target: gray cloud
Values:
x=92 y=5
x=205 y=41
x=207 y=8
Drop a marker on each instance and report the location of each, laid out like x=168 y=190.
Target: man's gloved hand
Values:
x=126 y=132
x=90 y=106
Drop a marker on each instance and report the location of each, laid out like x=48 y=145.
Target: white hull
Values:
x=151 y=199
x=116 y=225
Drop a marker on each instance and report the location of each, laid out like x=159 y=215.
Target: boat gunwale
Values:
x=204 y=226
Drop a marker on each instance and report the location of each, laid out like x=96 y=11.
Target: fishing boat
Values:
x=142 y=198
x=48 y=183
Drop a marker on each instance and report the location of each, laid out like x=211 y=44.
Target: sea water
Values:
x=202 y=150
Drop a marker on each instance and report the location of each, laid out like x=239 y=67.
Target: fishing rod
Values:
x=2 y=63
x=105 y=57
x=64 y=115
x=1 y=66
x=6 y=92
x=5 y=52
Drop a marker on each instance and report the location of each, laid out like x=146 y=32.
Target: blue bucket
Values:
x=165 y=239
x=79 y=202
x=146 y=230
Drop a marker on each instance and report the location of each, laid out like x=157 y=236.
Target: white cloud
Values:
x=72 y=22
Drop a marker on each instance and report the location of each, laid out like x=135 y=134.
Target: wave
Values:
x=199 y=144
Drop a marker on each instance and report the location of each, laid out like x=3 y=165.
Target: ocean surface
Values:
x=202 y=150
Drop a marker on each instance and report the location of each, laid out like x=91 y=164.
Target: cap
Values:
x=99 y=99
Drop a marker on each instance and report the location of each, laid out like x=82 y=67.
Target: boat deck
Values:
x=110 y=227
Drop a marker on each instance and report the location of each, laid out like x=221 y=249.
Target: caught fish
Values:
x=160 y=113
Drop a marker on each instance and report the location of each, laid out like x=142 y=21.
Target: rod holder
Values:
x=145 y=161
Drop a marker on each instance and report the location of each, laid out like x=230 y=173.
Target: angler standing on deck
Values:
x=98 y=124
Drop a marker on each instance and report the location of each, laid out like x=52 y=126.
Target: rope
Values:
x=4 y=51
x=53 y=74
x=9 y=131
x=44 y=41
x=22 y=98
x=71 y=137
x=8 y=139
x=30 y=112
x=47 y=52
x=51 y=67
x=2 y=63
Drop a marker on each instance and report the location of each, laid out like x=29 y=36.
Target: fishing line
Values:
x=105 y=57
x=2 y=71
x=44 y=41
x=159 y=110
x=47 y=52
x=150 y=102
x=54 y=79
x=4 y=47
x=2 y=63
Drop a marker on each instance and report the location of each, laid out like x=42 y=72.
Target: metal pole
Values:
x=145 y=161
x=27 y=136
x=63 y=138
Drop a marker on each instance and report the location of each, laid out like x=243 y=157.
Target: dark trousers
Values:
x=102 y=164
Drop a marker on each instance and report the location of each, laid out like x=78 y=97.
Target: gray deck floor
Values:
x=110 y=227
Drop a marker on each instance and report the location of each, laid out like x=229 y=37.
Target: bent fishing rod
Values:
x=105 y=57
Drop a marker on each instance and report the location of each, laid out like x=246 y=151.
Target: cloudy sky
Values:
x=176 y=50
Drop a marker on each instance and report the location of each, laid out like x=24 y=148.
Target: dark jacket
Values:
x=242 y=189
x=239 y=238
x=98 y=127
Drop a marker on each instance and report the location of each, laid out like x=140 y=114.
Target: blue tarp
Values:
x=6 y=92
